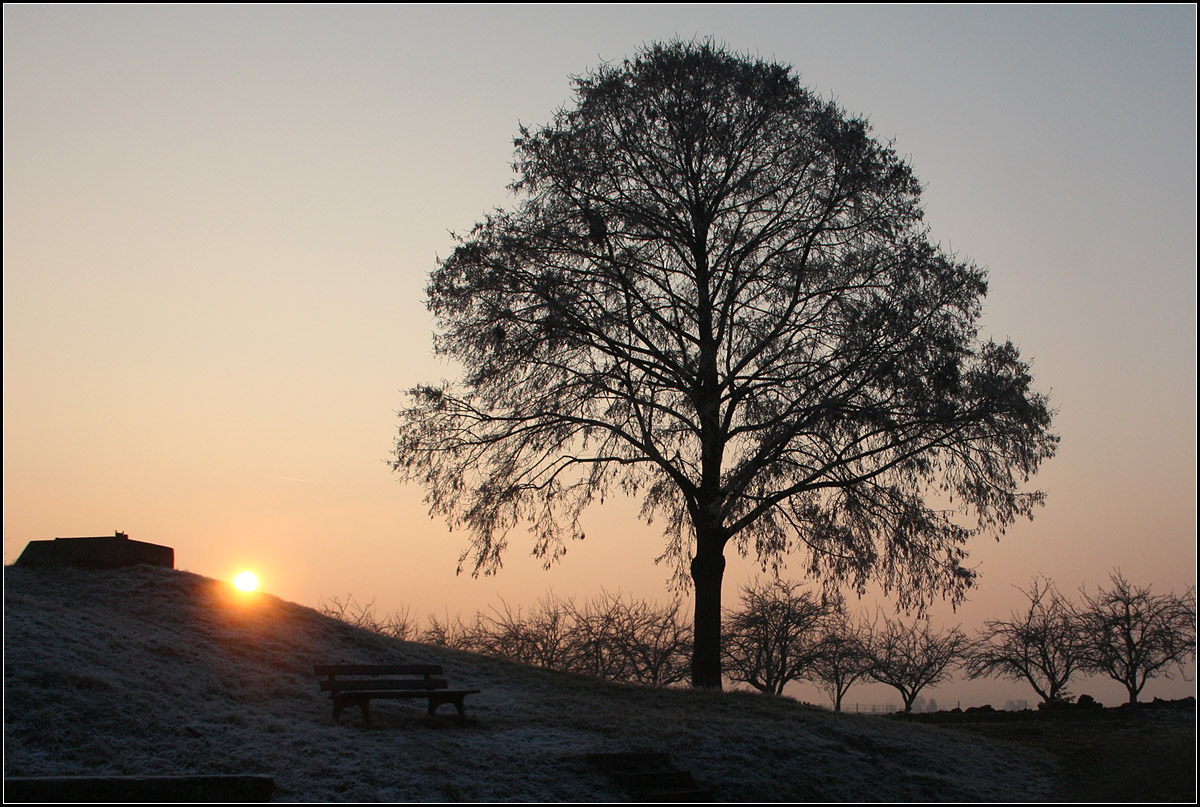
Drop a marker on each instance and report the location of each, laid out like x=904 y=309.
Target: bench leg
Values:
x=341 y=703
x=435 y=701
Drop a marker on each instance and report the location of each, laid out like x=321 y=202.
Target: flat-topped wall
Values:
x=102 y=552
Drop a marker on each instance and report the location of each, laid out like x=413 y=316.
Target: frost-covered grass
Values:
x=151 y=671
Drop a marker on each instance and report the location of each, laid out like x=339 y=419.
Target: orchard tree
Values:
x=715 y=293
x=541 y=638
x=771 y=640
x=629 y=640
x=1042 y=645
x=840 y=658
x=912 y=656
x=657 y=641
x=399 y=624
x=1133 y=634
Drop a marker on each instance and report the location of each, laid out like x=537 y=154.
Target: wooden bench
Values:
x=358 y=684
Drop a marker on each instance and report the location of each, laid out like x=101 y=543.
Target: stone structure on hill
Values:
x=102 y=552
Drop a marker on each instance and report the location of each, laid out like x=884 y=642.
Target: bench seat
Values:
x=359 y=684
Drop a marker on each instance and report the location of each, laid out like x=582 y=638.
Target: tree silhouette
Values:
x=1043 y=645
x=1133 y=634
x=772 y=638
x=716 y=294
x=629 y=640
x=912 y=656
x=840 y=658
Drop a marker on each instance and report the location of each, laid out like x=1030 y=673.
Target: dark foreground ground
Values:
x=1145 y=753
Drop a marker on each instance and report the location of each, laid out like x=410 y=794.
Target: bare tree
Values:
x=542 y=638
x=840 y=658
x=1133 y=634
x=716 y=293
x=1043 y=644
x=595 y=648
x=771 y=639
x=609 y=637
x=910 y=657
x=547 y=630
x=447 y=632
x=657 y=642
x=399 y=624
x=629 y=640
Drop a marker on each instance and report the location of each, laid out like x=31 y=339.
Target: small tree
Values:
x=657 y=641
x=596 y=647
x=608 y=637
x=450 y=632
x=624 y=639
x=913 y=656
x=1043 y=645
x=541 y=638
x=548 y=629
x=1133 y=634
x=399 y=624
x=840 y=658
x=772 y=639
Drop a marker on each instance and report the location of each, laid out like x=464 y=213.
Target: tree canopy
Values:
x=716 y=293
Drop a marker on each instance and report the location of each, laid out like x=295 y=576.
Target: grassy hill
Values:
x=150 y=671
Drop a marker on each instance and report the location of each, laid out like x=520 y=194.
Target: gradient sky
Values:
x=218 y=224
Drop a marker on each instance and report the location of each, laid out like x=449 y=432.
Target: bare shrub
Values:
x=399 y=624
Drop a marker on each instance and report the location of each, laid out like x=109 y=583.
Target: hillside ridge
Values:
x=148 y=671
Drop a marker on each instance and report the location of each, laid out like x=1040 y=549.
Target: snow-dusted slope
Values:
x=152 y=672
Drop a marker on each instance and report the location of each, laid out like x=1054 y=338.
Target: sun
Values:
x=246 y=581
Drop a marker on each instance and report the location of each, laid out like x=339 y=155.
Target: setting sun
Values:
x=246 y=581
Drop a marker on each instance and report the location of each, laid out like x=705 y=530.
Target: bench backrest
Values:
x=377 y=669
x=391 y=684
x=364 y=677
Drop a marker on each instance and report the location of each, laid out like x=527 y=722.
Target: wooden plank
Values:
x=443 y=694
x=377 y=669
x=358 y=684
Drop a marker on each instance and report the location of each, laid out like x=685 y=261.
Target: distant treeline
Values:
x=609 y=636
x=781 y=632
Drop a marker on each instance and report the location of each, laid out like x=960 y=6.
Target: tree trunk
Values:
x=708 y=570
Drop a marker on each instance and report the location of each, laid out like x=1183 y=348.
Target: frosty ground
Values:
x=148 y=671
